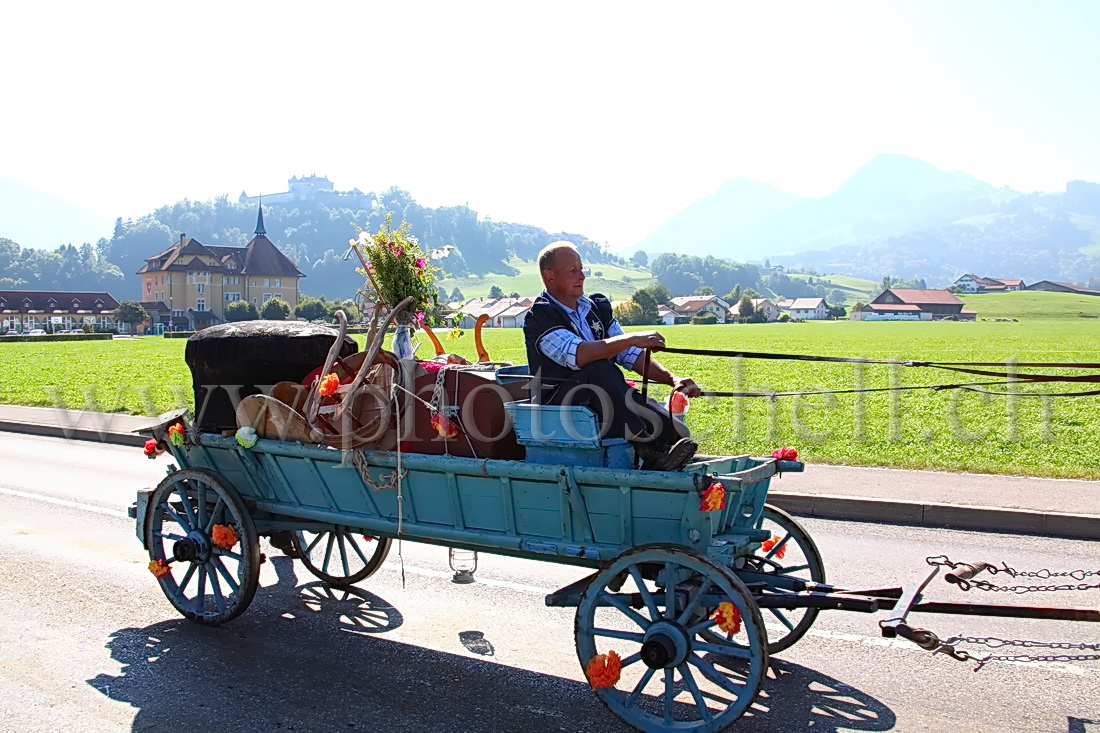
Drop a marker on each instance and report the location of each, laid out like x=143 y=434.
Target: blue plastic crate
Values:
x=568 y=435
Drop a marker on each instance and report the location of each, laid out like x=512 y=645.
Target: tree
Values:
x=836 y=311
x=496 y=292
x=745 y=307
x=640 y=258
x=241 y=310
x=513 y=294
x=647 y=305
x=457 y=296
x=275 y=309
x=660 y=294
x=704 y=290
x=628 y=313
x=734 y=295
x=836 y=296
x=131 y=312
x=312 y=309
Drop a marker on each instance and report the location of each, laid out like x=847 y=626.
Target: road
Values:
x=88 y=642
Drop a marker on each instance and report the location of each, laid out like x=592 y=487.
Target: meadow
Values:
x=617 y=283
x=945 y=430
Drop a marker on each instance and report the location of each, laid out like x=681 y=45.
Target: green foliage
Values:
x=704 y=290
x=457 y=296
x=707 y=319
x=640 y=258
x=58 y=337
x=660 y=294
x=178 y=334
x=628 y=313
x=131 y=312
x=647 y=307
x=496 y=292
x=275 y=309
x=312 y=309
x=241 y=310
x=683 y=274
x=399 y=269
x=745 y=307
x=783 y=318
x=66 y=268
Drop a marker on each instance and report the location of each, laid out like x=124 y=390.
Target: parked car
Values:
x=12 y=333
x=36 y=332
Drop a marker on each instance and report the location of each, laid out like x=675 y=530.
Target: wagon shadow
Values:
x=312 y=658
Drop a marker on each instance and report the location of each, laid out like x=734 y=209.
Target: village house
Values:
x=970 y=283
x=189 y=284
x=768 y=308
x=903 y=304
x=683 y=308
x=1054 y=286
x=502 y=312
x=784 y=305
x=809 y=309
x=54 y=310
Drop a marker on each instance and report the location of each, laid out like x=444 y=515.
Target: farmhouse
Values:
x=902 y=304
x=193 y=282
x=768 y=308
x=683 y=308
x=52 y=310
x=809 y=309
x=1053 y=286
x=970 y=283
x=502 y=312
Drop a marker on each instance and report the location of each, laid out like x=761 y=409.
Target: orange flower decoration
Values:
x=769 y=544
x=223 y=536
x=443 y=426
x=714 y=498
x=175 y=434
x=159 y=568
x=728 y=617
x=604 y=670
x=329 y=383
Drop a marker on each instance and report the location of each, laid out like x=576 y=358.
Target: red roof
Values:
x=922 y=297
x=908 y=307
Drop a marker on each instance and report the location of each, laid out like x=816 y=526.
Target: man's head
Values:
x=562 y=271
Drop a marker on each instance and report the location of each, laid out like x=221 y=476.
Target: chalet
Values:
x=970 y=283
x=784 y=305
x=196 y=281
x=902 y=304
x=1054 y=286
x=768 y=308
x=53 y=310
x=687 y=307
x=502 y=312
x=809 y=309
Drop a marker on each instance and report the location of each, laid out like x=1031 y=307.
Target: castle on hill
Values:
x=309 y=188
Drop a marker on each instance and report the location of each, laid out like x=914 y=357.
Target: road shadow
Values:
x=313 y=658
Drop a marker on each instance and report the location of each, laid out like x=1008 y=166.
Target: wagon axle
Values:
x=195 y=547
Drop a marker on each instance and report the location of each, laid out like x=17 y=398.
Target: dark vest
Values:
x=545 y=316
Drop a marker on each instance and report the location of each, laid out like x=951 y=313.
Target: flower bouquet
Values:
x=397 y=268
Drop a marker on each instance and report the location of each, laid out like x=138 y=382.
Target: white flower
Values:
x=442 y=251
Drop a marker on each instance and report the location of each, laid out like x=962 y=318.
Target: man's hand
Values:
x=648 y=340
x=688 y=386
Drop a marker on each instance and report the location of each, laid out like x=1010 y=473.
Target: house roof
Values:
x=758 y=302
x=49 y=301
x=784 y=304
x=493 y=307
x=1070 y=286
x=1008 y=281
x=685 y=304
x=891 y=307
x=259 y=257
x=807 y=303
x=922 y=297
x=155 y=305
x=262 y=257
x=515 y=310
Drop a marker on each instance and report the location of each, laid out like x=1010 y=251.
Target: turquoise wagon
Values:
x=669 y=627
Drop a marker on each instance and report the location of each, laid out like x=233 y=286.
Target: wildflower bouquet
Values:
x=396 y=268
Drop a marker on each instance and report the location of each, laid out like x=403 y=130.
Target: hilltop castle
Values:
x=308 y=188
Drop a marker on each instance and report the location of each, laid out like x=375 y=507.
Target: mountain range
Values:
x=899 y=216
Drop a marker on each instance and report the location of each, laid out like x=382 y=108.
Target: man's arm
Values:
x=658 y=373
x=609 y=348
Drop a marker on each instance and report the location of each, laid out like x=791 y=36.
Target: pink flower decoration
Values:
x=421 y=262
x=370 y=267
x=419 y=317
x=397 y=252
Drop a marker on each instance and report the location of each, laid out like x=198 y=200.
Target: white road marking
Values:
x=66 y=503
x=396 y=567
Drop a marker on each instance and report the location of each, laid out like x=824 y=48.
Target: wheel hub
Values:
x=665 y=645
x=192 y=548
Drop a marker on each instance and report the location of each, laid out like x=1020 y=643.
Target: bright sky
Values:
x=601 y=118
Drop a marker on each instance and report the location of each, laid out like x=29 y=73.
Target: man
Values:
x=573 y=345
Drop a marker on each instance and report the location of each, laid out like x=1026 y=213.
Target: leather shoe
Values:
x=677 y=456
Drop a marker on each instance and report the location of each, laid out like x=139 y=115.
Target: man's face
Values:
x=567 y=276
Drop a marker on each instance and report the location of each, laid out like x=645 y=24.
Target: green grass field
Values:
x=855 y=289
x=945 y=430
x=1033 y=304
x=611 y=283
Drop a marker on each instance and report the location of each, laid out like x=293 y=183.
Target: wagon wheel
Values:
x=794 y=555
x=673 y=678
x=341 y=556
x=207 y=582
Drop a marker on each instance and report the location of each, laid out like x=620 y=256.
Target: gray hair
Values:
x=550 y=251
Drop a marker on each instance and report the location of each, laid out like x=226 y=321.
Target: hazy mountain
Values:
x=899 y=216
x=36 y=219
x=720 y=223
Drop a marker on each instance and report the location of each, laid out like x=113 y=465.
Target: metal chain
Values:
x=1078 y=575
x=996 y=643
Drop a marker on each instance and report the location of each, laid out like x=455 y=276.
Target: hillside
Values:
x=617 y=283
x=1033 y=305
x=903 y=217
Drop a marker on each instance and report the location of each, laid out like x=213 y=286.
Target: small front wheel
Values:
x=341 y=556
x=203 y=546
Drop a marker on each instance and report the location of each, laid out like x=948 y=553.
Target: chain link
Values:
x=995 y=643
x=1041 y=574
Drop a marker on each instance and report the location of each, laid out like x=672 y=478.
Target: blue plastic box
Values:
x=566 y=434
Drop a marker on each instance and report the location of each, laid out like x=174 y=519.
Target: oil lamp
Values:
x=463 y=563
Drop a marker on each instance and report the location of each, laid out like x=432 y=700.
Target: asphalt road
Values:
x=89 y=643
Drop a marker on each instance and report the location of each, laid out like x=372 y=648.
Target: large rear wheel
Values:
x=341 y=556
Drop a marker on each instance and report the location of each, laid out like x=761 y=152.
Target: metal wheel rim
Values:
x=687 y=713
x=219 y=585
